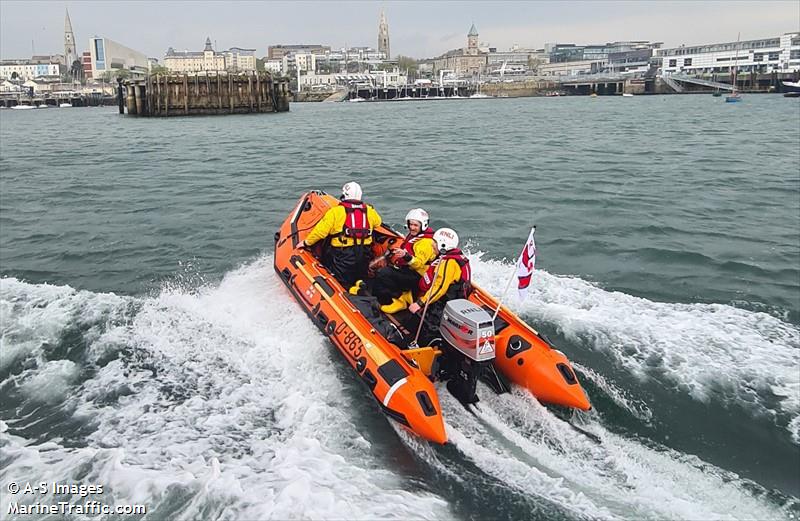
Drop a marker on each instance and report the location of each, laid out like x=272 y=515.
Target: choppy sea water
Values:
x=147 y=344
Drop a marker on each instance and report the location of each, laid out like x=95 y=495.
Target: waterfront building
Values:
x=10 y=86
x=234 y=59
x=465 y=61
x=28 y=69
x=383 y=36
x=570 y=52
x=106 y=55
x=86 y=64
x=239 y=59
x=352 y=59
x=277 y=52
x=374 y=79
x=274 y=66
x=765 y=55
x=299 y=62
x=514 y=59
x=630 y=62
x=623 y=57
x=570 y=68
x=70 y=53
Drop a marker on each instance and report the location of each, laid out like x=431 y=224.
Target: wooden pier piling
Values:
x=120 y=102
x=205 y=93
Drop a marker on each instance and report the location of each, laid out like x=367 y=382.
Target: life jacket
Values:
x=408 y=243
x=458 y=289
x=356 y=224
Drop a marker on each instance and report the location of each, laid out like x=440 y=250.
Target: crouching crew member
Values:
x=442 y=283
x=409 y=262
x=349 y=226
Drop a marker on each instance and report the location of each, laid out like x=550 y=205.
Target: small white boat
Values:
x=627 y=95
x=791 y=86
x=22 y=107
x=356 y=100
x=479 y=95
x=42 y=106
x=64 y=105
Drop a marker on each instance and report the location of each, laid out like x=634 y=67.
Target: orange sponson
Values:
x=529 y=361
x=404 y=393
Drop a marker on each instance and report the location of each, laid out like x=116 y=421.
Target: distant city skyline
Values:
x=417 y=29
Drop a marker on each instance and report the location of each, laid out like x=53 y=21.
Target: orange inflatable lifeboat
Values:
x=401 y=379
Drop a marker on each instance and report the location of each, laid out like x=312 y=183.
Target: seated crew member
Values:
x=409 y=262
x=440 y=284
x=451 y=280
x=349 y=226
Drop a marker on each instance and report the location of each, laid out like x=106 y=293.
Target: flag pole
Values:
x=511 y=279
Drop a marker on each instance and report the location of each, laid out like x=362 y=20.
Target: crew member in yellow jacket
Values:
x=349 y=226
x=409 y=262
x=447 y=277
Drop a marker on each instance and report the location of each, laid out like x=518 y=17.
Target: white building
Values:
x=26 y=70
x=238 y=59
x=234 y=59
x=299 y=61
x=9 y=86
x=274 y=66
x=378 y=79
x=110 y=56
x=779 y=54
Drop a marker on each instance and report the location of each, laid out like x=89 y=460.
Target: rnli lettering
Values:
x=350 y=341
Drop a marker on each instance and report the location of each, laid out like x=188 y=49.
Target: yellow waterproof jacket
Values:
x=447 y=275
x=332 y=224
x=425 y=252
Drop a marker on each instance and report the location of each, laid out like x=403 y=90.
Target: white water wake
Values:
x=703 y=350
x=519 y=441
x=222 y=402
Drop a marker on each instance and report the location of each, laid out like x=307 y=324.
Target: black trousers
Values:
x=347 y=264
x=390 y=282
x=430 y=329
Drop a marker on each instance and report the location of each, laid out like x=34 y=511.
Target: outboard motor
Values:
x=468 y=331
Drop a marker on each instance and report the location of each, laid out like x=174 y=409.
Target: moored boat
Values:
x=735 y=97
x=791 y=89
x=380 y=347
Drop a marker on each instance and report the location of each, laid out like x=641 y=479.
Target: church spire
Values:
x=383 y=36
x=70 y=55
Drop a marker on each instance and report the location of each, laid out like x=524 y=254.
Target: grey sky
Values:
x=419 y=29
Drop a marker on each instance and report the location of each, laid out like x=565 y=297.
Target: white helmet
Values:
x=446 y=239
x=351 y=191
x=419 y=215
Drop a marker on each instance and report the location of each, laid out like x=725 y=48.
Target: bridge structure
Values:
x=673 y=81
x=602 y=83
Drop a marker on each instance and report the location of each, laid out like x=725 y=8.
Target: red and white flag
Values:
x=526 y=264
